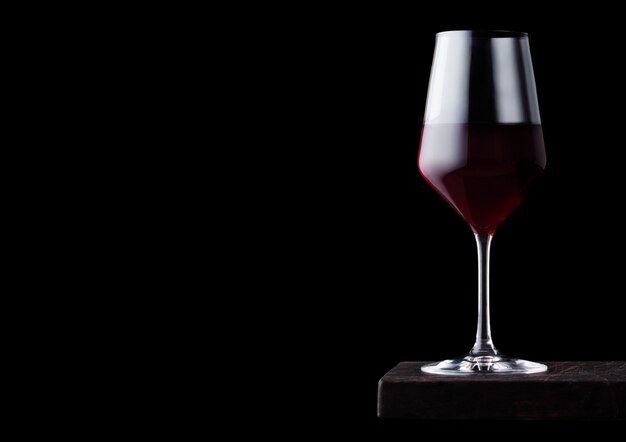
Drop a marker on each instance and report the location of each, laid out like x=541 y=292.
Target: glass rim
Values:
x=483 y=33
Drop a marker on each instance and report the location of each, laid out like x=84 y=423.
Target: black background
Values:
x=376 y=268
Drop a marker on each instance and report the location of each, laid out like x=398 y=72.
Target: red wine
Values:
x=483 y=171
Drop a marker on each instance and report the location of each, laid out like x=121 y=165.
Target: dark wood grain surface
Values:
x=590 y=390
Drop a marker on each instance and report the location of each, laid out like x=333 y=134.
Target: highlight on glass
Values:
x=482 y=150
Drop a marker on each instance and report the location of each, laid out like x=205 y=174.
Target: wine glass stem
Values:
x=484 y=345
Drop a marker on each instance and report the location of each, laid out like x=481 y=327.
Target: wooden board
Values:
x=567 y=391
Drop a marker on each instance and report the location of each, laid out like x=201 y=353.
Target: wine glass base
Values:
x=484 y=364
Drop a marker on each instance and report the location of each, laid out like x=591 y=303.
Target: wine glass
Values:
x=482 y=150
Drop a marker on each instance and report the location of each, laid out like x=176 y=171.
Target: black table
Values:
x=567 y=391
